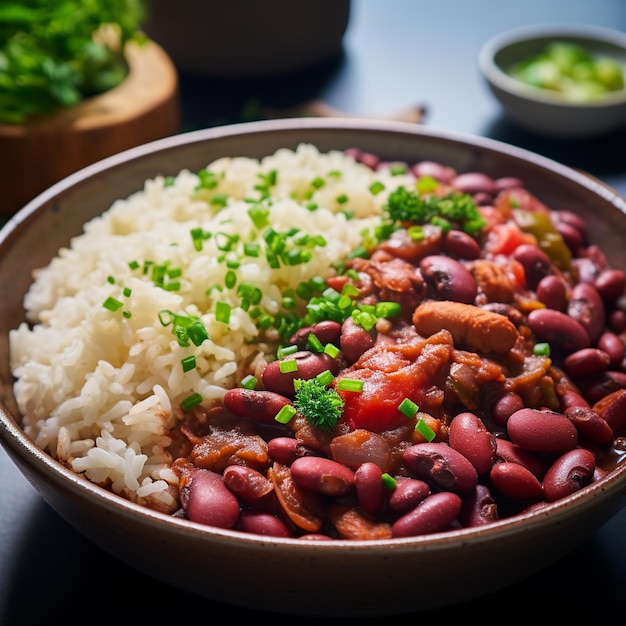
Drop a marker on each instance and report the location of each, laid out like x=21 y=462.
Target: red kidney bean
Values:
x=286 y=450
x=552 y=291
x=441 y=464
x=327 y=331
x=512 y=453
x=435 y=170
x=604 y=384
x=482 y=198
x=558 y=329
x=315 y=537
x=366 y=158
x=508 y=182
x=598 y=474
x=370 y=489
x=586 y=362
x=571 y=398
x=261 y=522
x=450 y=279
x=612 y=345
x=612 y=408
x=407 y=494
x=571 y=219
x=323 y=475
x=259 y=405
x=569 y=473
x=590 y=425
x=459 y=244
x=505 y=406
x=586 y=268
x=586 y=307
x=474 y=182
x=248 y=484
x=610 y=284
x=468 y=435
x=206 y=500
x=308 y=365
x=479 y=508
x=617 y=321
x=572 y=237
x=535 y=262
x=516 y=482
x=542 y=431
x=434 y=514
x=355 y=340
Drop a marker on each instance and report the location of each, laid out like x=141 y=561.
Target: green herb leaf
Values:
x=321 y=406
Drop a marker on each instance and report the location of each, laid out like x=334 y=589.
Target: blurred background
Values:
x=396 y=58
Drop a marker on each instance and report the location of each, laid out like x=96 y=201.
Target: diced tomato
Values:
x=504 y=238
x=388 y=379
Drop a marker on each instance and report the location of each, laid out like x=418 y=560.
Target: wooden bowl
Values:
x=143 y=108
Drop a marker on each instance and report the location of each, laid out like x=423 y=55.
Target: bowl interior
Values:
x=33 y=236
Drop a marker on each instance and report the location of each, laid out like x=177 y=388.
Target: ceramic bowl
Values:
x=543 y=111
x=337 y=578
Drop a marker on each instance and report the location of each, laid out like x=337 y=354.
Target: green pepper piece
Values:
x=548 y=237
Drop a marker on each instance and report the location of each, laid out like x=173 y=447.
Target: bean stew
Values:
x=467 y=366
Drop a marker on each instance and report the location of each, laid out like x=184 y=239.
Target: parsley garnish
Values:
x=458 y=209
x=321 y=405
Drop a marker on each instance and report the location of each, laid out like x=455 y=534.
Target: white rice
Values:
x=101 y=392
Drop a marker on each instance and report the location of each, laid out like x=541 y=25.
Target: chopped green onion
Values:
x=415 y=233
x=259 y=215
x=285 y=414
x=111 y=280
x=408 y=407
x=376 y=187
x=349 y=290
x=387 y=309
x=286 y=351
x=288 y=300
x=220 y=200
x=350 y=384
x=389 y=482
x=287 y=366
x=230 y=280
x=326 y=377
x=331 y=350
x=342 y=198
x=188 y=363
x=222 y=312
x=314 y=344
x=112 y=304
x=251 y=249
x=197 y=332
x=541 y=349
x=133 y=265
x=426 y=184
x=189 y=402
x=424 y=429
x=127 y=291
x=249 y=382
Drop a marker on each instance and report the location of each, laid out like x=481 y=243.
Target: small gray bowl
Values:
x=290 y=576
x=540 y=110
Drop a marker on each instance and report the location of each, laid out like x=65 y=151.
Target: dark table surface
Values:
x=397 y=54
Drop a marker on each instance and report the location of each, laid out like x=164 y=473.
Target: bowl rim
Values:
x=498 y=78
x=24 y=450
